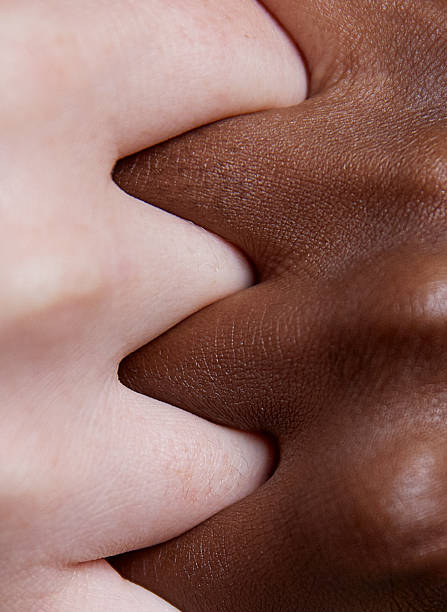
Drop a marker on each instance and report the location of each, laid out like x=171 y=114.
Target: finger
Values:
x=316 y=572
x=286 y=357
x=341 y=41
x=298 y=200
x=327 y=33
x=226 y=58
x=133 y=269
x=229 y=541
x=342 y=481
x=242 y=188
x=135 y=472
x=234 y=349
x=91 y=586
x=170 y=269
x=239 y=190
x=234 y=177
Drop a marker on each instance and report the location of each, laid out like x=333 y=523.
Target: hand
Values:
x=340 y=350
x=88 y=274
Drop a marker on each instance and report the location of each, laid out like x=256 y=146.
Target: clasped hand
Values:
x=89 y=468
x=340 y=350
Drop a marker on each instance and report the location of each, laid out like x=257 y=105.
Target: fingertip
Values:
x=284 y=70
x=254 y=460
x=232 y=266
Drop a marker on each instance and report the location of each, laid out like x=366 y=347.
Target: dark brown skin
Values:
x=340 y=350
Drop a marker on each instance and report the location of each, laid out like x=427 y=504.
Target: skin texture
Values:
x=339 y=351
x=89 y=468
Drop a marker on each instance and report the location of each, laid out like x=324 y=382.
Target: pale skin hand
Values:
x=88 y=274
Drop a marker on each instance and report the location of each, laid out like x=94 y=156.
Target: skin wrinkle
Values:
x=339 y=351
x=88 y=467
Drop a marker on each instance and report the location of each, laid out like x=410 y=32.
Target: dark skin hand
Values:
x=340 y=350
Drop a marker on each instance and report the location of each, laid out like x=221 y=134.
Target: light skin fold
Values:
x=89 y=468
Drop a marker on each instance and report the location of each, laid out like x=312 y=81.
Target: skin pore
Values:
x=89 y=468
x=339 y=351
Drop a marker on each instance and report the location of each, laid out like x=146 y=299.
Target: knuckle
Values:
x=406 y=305
x=392 y=329
x=419 y=296
x=41 y=67
x=402 y=504
x=50 y=285
x=398 y=491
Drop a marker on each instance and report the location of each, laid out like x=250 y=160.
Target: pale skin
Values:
x=88 y=274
